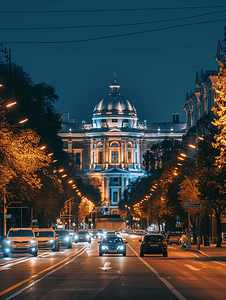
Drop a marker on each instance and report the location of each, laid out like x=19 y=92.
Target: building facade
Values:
x=109 y=151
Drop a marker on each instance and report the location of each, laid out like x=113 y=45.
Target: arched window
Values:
x=114 y=144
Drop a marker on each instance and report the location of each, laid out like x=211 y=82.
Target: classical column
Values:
x=134 y=152
x=104 y=153
x=122 y=186
x=107 y=154
x=138 y=154
x=108 y=192
x=122 y=154
x=70 y=146
x=125 y=153
x=95 y=154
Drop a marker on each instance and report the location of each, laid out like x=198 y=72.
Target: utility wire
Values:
x=111 y=25
x=109 y=10
x=116 y=35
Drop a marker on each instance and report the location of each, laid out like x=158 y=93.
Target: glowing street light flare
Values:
x=61 y=170
x=179 y=164
x=200 y=138
x=50 y=154
x=11 y=104
x=55 y=160
x=63 y=176
x=23 y=121
x=192 y=146
x=70 y=181
x=42 y=148
x=180 y=158
x=182 y=154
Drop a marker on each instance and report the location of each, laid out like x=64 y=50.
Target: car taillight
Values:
x=143 y=243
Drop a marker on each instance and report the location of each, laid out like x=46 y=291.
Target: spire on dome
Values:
x=114 y=86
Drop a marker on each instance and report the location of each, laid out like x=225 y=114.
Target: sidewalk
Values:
x=210 y=251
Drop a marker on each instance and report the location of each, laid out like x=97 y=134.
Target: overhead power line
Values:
x=111 y=25
x=109 y=10
x=116 y=35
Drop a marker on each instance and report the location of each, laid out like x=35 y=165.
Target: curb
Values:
x=198 y=251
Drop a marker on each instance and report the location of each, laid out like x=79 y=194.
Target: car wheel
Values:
x=124 y=253
x=90 y=242
x=100 y=253
x=69 y=246
x=76 y=242
x=35 y=253
x=5 y=254
x=165 y=254
x=141 y=254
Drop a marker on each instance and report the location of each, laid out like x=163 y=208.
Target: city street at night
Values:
x=79 y=273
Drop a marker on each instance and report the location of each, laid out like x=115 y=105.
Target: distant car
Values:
x=64 y=238
x=153 y=244
x=173 y=237
x=20 y=240
x=112 y=244
x=96 y=233
x=47 y=238
x=82 y=236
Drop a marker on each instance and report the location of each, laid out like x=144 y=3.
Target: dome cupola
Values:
x=115 y=107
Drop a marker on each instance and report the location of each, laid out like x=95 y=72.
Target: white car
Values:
x=20 y=240
x=47 y=238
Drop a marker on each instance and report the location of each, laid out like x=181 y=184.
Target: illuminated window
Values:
x=100 y=157
x=114 y=157
x=77 y=160
x=129 y=157
x=115 y=197
x=114 y=144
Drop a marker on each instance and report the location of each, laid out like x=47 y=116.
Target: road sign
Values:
x=7 y=216
x=34 y=221
x=193 y=204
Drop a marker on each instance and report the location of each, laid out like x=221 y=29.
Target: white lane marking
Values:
x=169 y=285
x=53 y=271
x=192 y=268
x=106 y=266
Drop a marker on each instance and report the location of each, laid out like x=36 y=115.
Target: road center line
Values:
x=39 y=273
x=192 y=268
x=169 y=285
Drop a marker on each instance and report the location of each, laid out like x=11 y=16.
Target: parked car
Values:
x=112 y=244
x=64 y=238
x=153 y=244
x=47 y=238
x=82 y=236
x=223 y=235
x=173 y=237
x=20 y=240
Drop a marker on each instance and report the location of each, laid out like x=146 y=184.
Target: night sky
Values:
x=154 y=69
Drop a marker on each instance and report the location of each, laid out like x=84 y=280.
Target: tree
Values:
x=211 y=179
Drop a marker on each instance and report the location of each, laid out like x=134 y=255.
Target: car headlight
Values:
x=120 y=247
x=51 y=241
x=75 y=237
x=32 y=241
x=104 y=247
x=87 y=236
x=8 y=241
x=66 y=239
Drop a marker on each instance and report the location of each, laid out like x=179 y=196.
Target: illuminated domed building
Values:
x=109 y=152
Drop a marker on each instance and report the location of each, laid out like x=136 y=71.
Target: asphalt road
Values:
x=79 y=273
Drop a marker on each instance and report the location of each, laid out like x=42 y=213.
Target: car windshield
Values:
x=62 y=233
x=82 y=232
x=153 y=238
x=21 y=233
x=112 y=240
x=44 y=234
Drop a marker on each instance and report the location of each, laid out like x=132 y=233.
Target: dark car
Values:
x=112 y=244
x=153 y=244
x=82 y=236
x=64 y=238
